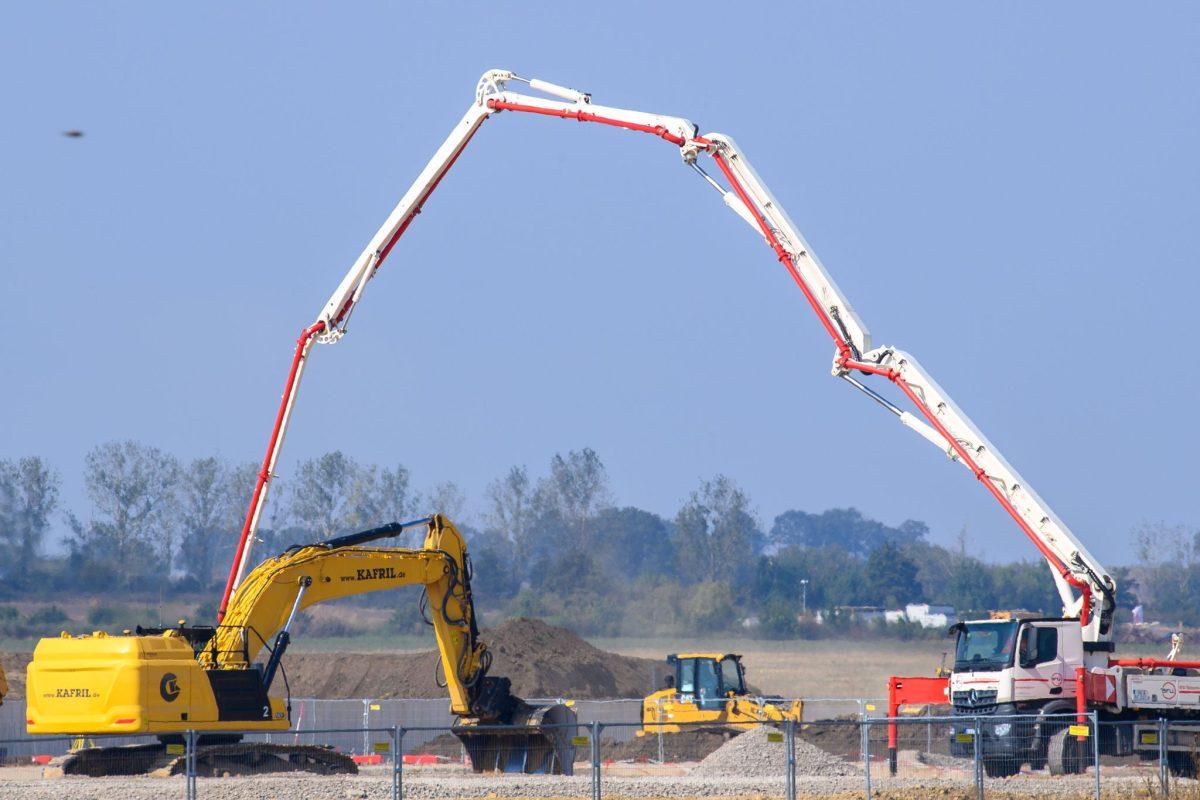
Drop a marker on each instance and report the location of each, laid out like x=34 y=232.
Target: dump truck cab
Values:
x=708 y=690
x=706 y=679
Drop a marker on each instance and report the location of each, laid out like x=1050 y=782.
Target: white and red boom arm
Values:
x=940 y=421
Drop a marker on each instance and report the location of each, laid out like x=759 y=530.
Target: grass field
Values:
x=800 y=668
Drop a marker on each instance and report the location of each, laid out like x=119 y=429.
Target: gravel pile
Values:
x=753 y=755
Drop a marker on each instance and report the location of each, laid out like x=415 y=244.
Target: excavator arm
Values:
x=1086 y=588
x=271 y=596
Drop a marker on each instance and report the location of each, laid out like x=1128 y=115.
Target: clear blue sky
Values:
x=1009 y=191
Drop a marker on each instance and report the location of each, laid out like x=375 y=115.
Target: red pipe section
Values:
x=893 y=712
x=1080 y=700
x=301 y=344
x=785 y=258
x=981 y=476
x=264 y=474
x=587 y=116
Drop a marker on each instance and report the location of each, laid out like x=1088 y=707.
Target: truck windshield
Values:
x=985 y=647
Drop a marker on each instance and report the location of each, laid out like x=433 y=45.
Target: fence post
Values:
x=1096 y=749
x=595 y=760
x=866 y=750
x=1164 y=774
x=189 y=766
x=661 y=755
x=366 y=723
x=975 y=737
x=929 y=729
x=790 y=742
x=397 y=762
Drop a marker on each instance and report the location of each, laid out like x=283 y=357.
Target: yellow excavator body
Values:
x=101 y=684
x=215 y=681
x=708 y=691
x=3 y=686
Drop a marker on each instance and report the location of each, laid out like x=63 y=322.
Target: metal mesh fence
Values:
x=959 y=756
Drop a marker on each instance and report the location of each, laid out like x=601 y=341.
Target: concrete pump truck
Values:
x=1039 y=666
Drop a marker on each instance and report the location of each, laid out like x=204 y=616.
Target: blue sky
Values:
x=1009 y=191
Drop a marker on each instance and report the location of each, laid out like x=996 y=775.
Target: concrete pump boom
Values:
x=939 y=422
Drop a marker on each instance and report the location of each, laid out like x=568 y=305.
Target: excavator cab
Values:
x=708 y=678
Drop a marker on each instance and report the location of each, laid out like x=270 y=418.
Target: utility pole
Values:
x=804 y=597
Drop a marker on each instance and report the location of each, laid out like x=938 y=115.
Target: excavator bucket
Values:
x=535 y=740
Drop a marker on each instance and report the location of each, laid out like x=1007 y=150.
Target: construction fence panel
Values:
x=841 y=708
x=696 y=759
x=505 y=761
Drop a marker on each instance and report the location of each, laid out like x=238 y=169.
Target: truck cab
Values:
x=1014 y=666
x=1005 y=667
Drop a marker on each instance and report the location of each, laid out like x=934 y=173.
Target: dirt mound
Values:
x=540 y=659
x=14 y=671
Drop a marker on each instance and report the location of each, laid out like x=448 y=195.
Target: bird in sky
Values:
x=73 y=134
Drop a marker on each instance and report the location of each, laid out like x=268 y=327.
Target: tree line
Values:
x=555 y=545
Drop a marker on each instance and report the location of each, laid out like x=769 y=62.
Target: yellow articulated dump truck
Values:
x=217 y=680
x=708 y=692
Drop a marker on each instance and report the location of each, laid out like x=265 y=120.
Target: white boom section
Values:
x=1048 y=529
x=331 y=322
x=945 y=425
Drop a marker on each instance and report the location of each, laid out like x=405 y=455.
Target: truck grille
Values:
x=976 y=700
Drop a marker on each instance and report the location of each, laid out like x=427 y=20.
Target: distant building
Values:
x=860 y=613
x=929 y=616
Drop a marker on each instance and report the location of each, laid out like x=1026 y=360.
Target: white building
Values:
x=926 y=615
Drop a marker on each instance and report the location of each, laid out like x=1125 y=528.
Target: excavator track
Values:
x=212 y=760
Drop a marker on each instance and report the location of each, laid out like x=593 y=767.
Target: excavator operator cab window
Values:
x=708 y=684
x=731 y=676
x=700 y=682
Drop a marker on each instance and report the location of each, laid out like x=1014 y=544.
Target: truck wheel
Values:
x=1001 y=767
x=1065 y=754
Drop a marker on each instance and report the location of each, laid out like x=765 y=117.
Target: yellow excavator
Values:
x=167 y=681
x=3 y=686
x=708 y=692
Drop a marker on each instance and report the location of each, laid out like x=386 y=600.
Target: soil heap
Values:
x=541 y=660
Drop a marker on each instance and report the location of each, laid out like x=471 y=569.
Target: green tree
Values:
x=716 y=536
x=891 y=576
x=630 y=542
x=328 y=495
x=28 y=496
x=213 y=499
x=129 y=539
x=709 y=607
x=841 y=527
